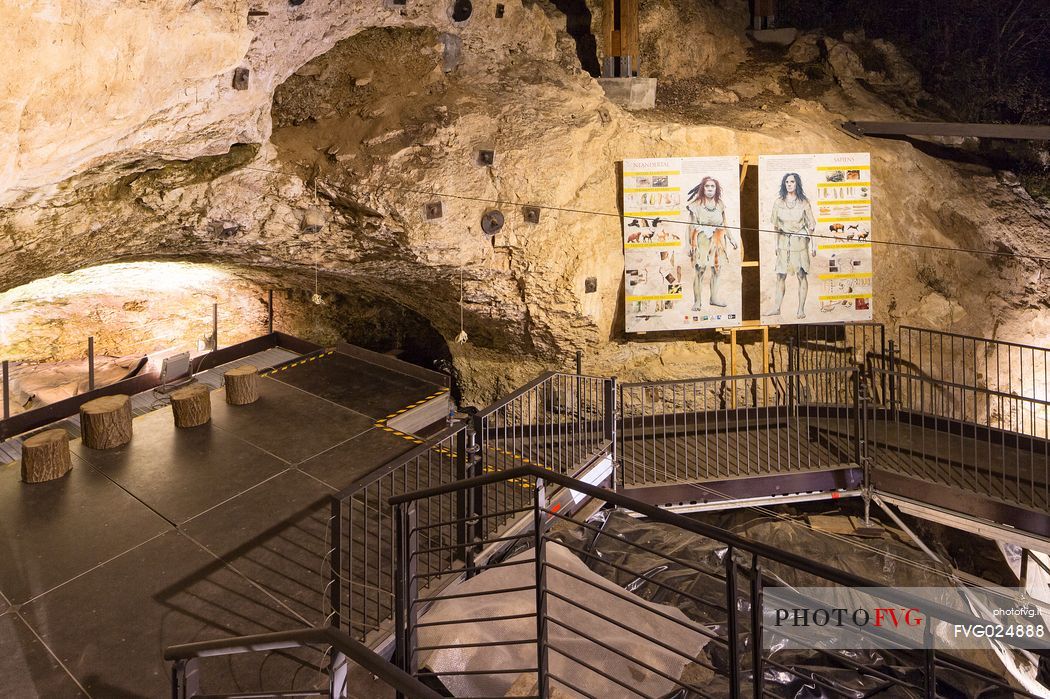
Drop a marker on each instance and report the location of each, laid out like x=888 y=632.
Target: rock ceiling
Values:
x=125 y=138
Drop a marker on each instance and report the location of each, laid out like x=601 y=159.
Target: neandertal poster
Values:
x=681 y=231
x=815 y=237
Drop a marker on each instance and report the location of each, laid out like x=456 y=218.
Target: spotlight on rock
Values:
x=317 y=300
x=461 y=10
x=240 y=78
x=486 y=157
x=531 y=214
x=492 y=222
x=313 y=220
x=432 y=210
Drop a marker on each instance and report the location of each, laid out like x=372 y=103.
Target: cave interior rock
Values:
x=409 y=224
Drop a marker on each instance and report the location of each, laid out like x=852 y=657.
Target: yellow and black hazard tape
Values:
x=382 y=424
x=304 y=360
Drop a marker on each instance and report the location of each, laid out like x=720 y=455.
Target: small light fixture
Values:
x=531 y=214
x=486 y=157
x=432 y=210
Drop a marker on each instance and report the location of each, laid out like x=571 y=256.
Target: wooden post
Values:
x=45 y=456
x=191 y=405
x=242 y=385
x=620 y=34
x=732 y=353
x=105 y=422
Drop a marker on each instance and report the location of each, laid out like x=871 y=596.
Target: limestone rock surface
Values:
x=368 y=113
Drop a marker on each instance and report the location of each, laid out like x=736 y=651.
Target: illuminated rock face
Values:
x=156 y=309
x=130 y=309
x=376 y=108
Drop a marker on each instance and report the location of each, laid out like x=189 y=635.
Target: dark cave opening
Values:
x=578 y=24
x=370 y=321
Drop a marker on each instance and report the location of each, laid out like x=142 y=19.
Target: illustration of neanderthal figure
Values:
x=794 y=224
x=707 y=238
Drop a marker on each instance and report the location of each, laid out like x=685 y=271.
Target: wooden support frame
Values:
x=749 y=326
x=745 y=163
x=620 y=38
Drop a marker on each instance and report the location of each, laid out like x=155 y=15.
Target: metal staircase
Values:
x=952 y=420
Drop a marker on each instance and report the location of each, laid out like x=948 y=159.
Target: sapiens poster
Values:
x=681 y=232
x=815 y=237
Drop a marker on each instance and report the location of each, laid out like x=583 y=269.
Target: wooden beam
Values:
x=945 y=128
x=608 y=27
x=629 y=31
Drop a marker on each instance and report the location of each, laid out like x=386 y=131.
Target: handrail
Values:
x=710 y=531
x=961 y=386
x=399 y=461
x=738 y=377
x=394 y=676
x=991 y=341
x=484 y=412
x=67 y=407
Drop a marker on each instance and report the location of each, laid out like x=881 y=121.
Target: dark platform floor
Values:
x=186 y=535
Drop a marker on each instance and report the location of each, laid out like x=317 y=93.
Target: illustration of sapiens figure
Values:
x=707 y=238
x=794 y=224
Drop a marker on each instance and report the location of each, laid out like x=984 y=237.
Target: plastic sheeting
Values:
x=596 y=593
x=891 y=560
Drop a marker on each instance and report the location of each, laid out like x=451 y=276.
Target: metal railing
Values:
x=443 y=512
x=361 y=587
x=38 y=417
x=984 y=441
x=12 y=369
x=860 y=408
x=558 y=421
x=186 y=671
x=1013 y=377
x=556 y=629
x=727 y=427
x=805 y=347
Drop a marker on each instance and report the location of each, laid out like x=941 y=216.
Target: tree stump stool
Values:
x=105 y=422
x=191 y=405
x=45 y=456
x=242 y=385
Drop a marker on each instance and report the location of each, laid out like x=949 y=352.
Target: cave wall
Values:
x=130 y=309
x=370 y=114
x=158 y=308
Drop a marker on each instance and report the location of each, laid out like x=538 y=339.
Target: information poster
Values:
x=681 y=231
x=815 y=237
